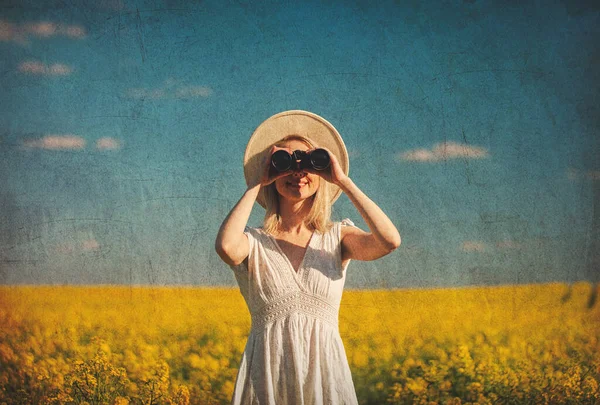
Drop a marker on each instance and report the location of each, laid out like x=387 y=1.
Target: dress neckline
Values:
x=301 y=265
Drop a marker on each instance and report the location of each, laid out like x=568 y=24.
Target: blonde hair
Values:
x=319 y=216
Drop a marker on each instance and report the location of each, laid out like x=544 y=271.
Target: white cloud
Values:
x=65 y=248
x=146 y=93
x=445 y=151
x=473 y=246
x=170 y=90
x=193 y=91
x=575 y=174
x=87 y=245
x=70 y=142
x=20 y=33
x=75 y=31
x=421 y=155
x=593 y=174
x=572 y=174
x=353 y=153
x=41 y=29
x=108 y=143
x=90 y=244
x=38 y=68
x=11 y=32
x=56 y=142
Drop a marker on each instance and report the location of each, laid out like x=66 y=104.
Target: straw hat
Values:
x=293 y=122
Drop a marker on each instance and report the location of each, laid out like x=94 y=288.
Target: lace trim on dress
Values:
x=296 y=301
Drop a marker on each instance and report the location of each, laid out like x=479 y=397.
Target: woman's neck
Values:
x=292 y=216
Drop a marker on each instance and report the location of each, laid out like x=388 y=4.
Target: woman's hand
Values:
x=269 y=174
x=334 y=173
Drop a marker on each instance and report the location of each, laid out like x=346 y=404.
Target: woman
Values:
x=292 y=270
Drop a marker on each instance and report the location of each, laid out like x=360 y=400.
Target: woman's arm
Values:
x=359 y=245
x=231 y=243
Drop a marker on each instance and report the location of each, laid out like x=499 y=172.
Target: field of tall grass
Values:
x=162 y=345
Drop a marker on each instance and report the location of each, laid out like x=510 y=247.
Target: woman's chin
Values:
x=295 y=196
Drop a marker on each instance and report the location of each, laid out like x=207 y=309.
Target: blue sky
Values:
x=473 y=125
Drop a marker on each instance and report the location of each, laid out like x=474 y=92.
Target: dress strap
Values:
x=346 y=221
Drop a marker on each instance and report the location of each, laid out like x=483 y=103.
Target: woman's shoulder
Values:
x=332 y=225
x=254 y=231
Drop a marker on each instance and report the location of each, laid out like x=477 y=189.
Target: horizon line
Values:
x=229 y=287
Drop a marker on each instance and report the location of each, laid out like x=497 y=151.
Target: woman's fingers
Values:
x=331 y=155
x=269 y=174
x=281 y=174
x=271 y=178
x=266 y=164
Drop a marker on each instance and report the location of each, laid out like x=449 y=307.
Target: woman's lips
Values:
x=296 y=185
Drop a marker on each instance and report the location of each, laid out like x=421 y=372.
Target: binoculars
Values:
x=317 y=159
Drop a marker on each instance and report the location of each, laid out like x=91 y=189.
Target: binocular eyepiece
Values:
x=317 y=159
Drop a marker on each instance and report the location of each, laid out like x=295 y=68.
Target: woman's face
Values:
x=299 y=185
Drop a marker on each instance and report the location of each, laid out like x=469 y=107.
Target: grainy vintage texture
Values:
x=474 y=125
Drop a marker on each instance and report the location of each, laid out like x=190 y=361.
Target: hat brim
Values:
x=293 y=122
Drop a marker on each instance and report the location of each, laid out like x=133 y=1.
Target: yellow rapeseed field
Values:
x=525 y=344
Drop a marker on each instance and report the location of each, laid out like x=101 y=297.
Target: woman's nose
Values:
x=299 y=173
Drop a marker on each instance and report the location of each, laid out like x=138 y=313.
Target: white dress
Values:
x=294 y=354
